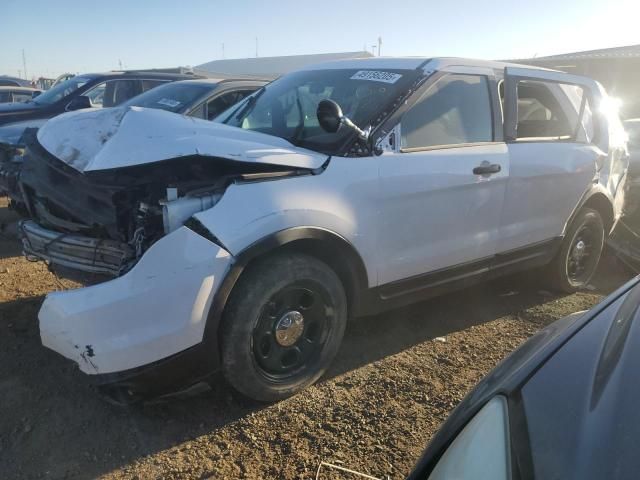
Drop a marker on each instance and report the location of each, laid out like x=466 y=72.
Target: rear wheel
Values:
x=578 y=258
x=282 y=327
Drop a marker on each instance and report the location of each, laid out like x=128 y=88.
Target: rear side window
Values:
x=553 y=112
x=455 y=110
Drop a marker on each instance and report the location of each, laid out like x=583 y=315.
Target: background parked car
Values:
x=7 y=81
x=564 y=405
x=203 y=98
x=200 y=98
x=18 y=94
x=85 y=91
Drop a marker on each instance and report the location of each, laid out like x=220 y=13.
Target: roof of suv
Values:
x=410 y=63
x=208 y=81
x=142 y=74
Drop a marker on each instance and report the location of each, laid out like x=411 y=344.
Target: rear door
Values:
x=556 y=142
x=442 y=187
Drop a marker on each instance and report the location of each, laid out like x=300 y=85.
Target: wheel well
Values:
x=600 y=203
x=336 y=252
x=338 y=255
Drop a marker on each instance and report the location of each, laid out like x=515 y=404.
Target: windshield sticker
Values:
x=376 y=76
x=168 y=102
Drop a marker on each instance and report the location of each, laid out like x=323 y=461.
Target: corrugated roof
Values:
x=630 y=51
x=273 y=66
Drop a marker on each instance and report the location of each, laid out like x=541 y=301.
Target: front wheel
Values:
x=282 y=326
x=578 y=258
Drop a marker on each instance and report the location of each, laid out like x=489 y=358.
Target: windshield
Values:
x=61 y=90
x=174 y=97
x=287 y=107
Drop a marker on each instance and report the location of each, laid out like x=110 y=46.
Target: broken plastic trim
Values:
x=74 y=251
x=196 y=226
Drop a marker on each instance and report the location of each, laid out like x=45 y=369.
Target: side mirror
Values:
x=329 y=115
x=35 y=94
x=78 y=103
x=330 y=118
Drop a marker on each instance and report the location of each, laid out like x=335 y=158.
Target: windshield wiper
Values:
x=246 y=109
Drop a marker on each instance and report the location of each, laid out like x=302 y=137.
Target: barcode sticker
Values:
x=168 y=102
x=376 y=76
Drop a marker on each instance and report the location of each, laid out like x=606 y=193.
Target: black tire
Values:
x=579 y=255
x=282 y=299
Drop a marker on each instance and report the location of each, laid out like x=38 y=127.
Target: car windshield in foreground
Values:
x=287 y=107
x=61 y=90
x=174 y=97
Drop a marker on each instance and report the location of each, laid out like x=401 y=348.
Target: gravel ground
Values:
x=395 y=380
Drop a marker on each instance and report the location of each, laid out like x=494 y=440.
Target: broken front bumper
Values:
x=153 y=312
x=91 y=255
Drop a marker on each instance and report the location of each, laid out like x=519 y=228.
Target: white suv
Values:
x=337 y=191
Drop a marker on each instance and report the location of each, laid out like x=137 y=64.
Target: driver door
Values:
x=442 y=186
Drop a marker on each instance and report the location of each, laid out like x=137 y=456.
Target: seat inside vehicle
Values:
x=540 y=115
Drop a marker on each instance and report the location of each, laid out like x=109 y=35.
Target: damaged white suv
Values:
x=336 y=191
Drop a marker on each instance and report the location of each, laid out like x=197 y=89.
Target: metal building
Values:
x=618 y=69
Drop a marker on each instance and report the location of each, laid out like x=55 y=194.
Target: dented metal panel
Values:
x=127 y=136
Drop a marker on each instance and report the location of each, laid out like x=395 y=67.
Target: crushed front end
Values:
x=143 y=329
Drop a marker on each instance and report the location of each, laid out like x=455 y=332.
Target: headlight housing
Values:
x=481 y=450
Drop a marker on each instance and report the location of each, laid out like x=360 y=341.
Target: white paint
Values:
x=343 y=199
x=126 y=136
x=157 y=309
x=405 y=214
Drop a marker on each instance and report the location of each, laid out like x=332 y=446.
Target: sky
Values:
x=87 y=36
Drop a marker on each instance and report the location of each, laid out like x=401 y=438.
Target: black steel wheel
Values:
x=282 y=327
x=579 y=255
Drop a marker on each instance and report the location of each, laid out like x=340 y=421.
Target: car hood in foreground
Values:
x=127 y=136
x=582 y=405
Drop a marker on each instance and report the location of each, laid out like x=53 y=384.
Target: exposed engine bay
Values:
x=103 y=221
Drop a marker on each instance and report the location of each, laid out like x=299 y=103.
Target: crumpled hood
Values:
x=127 y=136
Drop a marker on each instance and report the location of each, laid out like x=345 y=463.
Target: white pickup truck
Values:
x=336 y=191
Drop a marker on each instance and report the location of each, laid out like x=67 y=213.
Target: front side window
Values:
x=96 y=95
x=455 y=110
x=287 y=107
x=221 y=103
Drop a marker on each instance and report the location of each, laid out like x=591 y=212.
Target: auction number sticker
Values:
x=376 y=76
x=168 y=102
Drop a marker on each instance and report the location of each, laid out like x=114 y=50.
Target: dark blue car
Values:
x=562 y=406
x=86 y=91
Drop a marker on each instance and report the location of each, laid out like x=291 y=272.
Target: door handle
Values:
x=486 y=168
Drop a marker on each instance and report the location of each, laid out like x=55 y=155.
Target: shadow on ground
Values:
x=50 y=415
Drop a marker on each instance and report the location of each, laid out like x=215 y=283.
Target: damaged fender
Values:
x=157 y=309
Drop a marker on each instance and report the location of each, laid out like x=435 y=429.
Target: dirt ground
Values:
x=395 y=380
